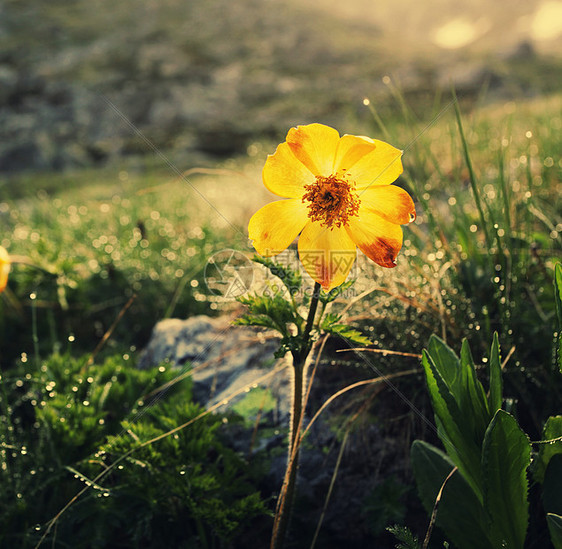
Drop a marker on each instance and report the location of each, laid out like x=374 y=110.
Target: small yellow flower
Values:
x=5 y=264
x=339 y=196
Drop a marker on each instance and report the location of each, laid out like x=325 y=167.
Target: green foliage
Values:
x=70 y=424
x=253 y=403
x=279 y=311
x=273 y=312
x=552 y=495
x=331 y=325
x=334 y=293
x=484 y=503
x=461 y=514
x=558 y=301
x=552 y=432
x=85 y=256
x=291 y=278
x=385 y=505
x=459 y=428
x=487 y=194
x=555 y=528
x=406 y=538
x=506 y=454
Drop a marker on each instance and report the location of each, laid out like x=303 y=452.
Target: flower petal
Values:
x=315 y=146
x=284 y=174
x=379 y=239
x=276 y=225
x=5 y=264
x=350 y=149
x=326 y=254
x=389 y=201
x=379 y=167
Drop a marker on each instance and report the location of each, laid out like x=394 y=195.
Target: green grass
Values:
x=68 y=425
x=89 y=242
x=480 y=257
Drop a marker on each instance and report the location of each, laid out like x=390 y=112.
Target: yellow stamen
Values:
x=333 y=200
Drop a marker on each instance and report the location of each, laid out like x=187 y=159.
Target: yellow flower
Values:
x=339 y=196
x=5 y=264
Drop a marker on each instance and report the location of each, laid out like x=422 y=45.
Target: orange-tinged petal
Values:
x=5 y=264
x=326 y=254
x=276 y=225
x=351 y=148
x=390 y=202
x=379 y=167
x=315 y=146
x=379 y=239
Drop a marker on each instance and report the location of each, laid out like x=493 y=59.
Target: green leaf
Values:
x=496 y=386
x=558 y=300
x=506 y=454
x=330 y=325
x=460 y=514
x=269 y=311
x=450 y=421
x=256 y=320
x=334 y=293
x=474 y=405
x=555 y=528
x=291 y=279
x=446 y=361
x=552 y=487
x=552 y=430
x=405 y=537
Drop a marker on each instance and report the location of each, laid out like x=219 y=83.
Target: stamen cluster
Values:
x=333 y=200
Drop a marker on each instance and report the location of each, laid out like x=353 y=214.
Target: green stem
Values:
x=299 y=361
x=310 y=319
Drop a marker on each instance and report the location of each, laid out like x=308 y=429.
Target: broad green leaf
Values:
x=474 y=405
x=552 y=487
x=460 y=514
x=555 y=529
x=496 y=386
x=552 y=430
x=446 y=361
x=558 y=300
x=450 y=420
x=506 y=454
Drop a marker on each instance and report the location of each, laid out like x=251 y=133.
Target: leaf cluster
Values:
x=485 y=503
x=277 y=312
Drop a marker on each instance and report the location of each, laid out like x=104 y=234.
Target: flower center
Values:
x=332 y=200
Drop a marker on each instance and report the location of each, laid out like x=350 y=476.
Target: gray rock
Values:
x=8 y=82
x=23 y=153
x=224 y=358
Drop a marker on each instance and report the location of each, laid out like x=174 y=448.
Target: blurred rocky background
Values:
x=85 y=82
